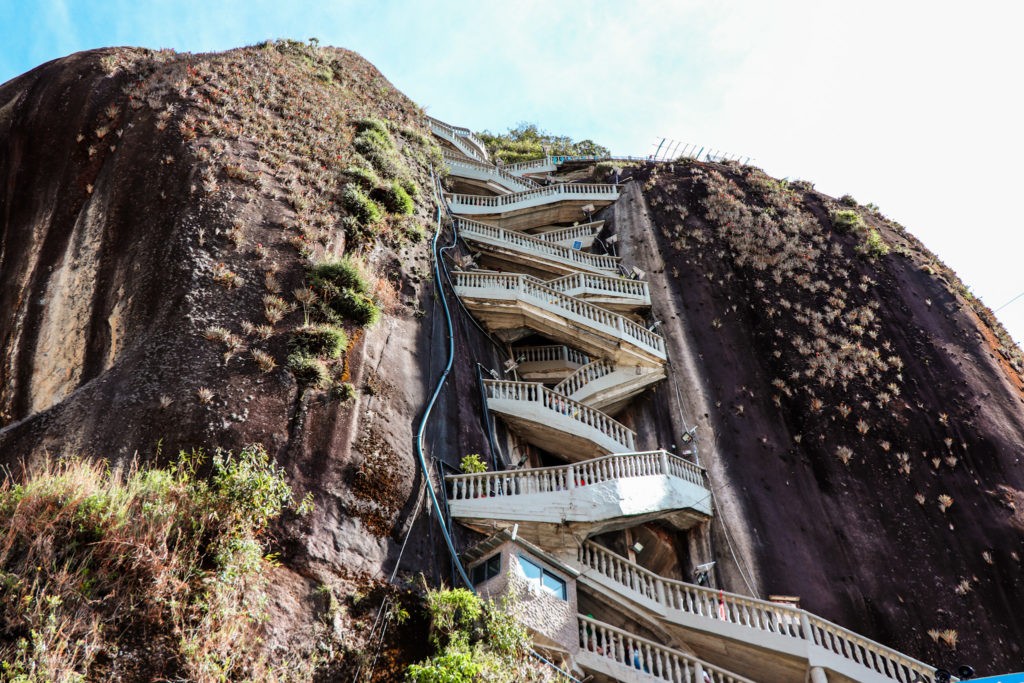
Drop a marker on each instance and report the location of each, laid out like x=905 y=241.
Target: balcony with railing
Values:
x=511 y=305
x=588 y=497
x=759 y=631
x=577 y=236
x=532 y=253
x=548 y=363
x=624 y=656
x=608 y=291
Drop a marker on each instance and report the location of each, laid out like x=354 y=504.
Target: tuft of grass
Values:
x=397 y=199
x=342 y=274
x=309 y=370
x=360 y=206
x=847 y=220
x=326 y=341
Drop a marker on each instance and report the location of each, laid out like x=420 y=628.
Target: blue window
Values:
x=543 y=579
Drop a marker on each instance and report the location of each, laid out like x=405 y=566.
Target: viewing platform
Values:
x=584 y=498
x=513 y=305
x=772 y=641
x=559 y=203
x=532 y=254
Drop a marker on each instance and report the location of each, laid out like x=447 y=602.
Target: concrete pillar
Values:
x=817 y=675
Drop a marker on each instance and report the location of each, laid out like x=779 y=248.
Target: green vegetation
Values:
x=309 y=370
x=366 y=211
x=374 y=143
x=527 y=141
x=847 y=220
x=320 y=340
x=397 y=199
x=474 y=640
x=93 y=561
x=472 y=464
x=344 y=293
x=873 y=245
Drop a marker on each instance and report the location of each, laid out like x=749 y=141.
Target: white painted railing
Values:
x=537 y=393
x=529 y=165
x=526 y=287
x=469 y=229
x=446 y=132
x=760 y=615
x=586 y=374
x=657 y=661
x=471 y=136
x=566 y=477
x=559 y=192
x=513 y=182
x=602 y=284
x=549 y=354
x=571 y=233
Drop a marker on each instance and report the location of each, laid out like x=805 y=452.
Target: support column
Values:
x=817 y=675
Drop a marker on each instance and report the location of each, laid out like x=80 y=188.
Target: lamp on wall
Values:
x=638 y=547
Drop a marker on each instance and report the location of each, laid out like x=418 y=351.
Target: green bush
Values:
x=360 y=206
x=319 y=340
x=397 y=200
x=364 y=177
x=472 y=464
x=351 y=305
x=341 y=274
x=411 y=188
x=873 y=245
x=847 y=220
x=474 y=640
x=374 y=143
x=309 y=370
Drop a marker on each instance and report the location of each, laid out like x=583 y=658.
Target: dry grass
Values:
x=155 y=561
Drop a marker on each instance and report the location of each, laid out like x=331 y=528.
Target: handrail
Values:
x=654 y=659
x=465 y=133
x=513 y=181
x=565 y=477
x=572 y=232
x=762 y=615
x=573 y=190
x=470 y=228
x=528 y=164
x=583 y=376
x=601 y=283
x=549 y=353
x=445 y=131
x=535 y=392
x=524 y=286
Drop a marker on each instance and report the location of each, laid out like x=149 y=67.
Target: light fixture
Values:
x=638 y=547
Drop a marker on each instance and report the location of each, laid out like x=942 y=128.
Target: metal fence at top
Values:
x=670 y=150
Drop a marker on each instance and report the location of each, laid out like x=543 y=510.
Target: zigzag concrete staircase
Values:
x=598 y=360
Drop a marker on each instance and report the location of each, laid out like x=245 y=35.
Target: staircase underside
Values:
x=559 y=211
x=545 y=528
x=512 y=319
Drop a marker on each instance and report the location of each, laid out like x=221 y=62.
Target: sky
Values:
x=915 y=106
